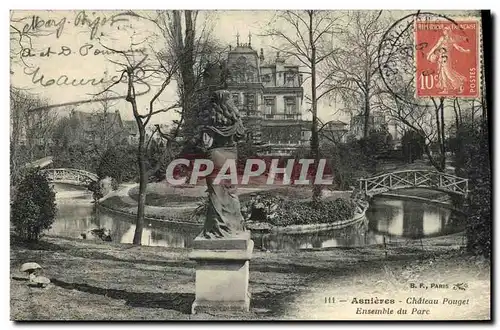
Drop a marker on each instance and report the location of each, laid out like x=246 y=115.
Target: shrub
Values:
x=412 y=146
x=279 y=211
x=96 y=190
x=293 y=212
x=473 y=161
x=119 y=163
x=111 y=165
x=348 y=161
x=33 y=209
x=262 y=207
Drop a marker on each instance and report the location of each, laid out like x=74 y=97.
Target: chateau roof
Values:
x=90 y=121
x=243 y=49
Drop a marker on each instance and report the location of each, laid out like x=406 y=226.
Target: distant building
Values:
x=376 y=121
x=132 y=131
x=269 y=96
x=334 y=131
x=99 y=127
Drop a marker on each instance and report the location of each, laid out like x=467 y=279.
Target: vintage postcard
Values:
x=250 y=165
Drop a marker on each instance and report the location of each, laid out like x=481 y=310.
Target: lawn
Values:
x=175 y=214
x=111 y=281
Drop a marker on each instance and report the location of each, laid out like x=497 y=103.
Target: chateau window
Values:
x=250 y=101
x=270 y=105
x=289 y=79
x=240 y=77
x=236 y=99
x=266 y=78
x=290 y=104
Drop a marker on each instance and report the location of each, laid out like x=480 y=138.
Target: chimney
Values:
x=261 y=57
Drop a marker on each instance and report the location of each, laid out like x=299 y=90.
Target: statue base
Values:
x=222 y=273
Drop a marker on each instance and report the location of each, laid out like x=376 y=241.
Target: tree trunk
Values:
x=443 y=137
x=366 y=128
x=457 y=116
x=437 y=165
x=185 y=52
x=143 y=182
x=440 y=163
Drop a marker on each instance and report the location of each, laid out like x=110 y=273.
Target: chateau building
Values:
x=269 y=95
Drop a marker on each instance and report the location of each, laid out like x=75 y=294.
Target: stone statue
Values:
x=220 y=128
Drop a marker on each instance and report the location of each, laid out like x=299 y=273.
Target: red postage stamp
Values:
x=447 y=58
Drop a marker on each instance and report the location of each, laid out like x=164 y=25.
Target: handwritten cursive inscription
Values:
x=82 y=19
x=63 y=80
x=38 y=24
x=84 y=50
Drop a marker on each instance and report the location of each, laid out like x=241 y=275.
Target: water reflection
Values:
x=411 y=219
x=386 y=218
x=356 y=235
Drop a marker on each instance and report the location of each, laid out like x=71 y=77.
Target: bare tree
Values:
x=153 y=68
x=106 y=127
x=352 y=73
x=397 y=96
x=334 y=136
x=306 y=37
x=184 y=59
x=195 y=50
x=31 y=131
x=423 y=116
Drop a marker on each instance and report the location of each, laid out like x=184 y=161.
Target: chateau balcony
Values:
x=286 y=143
x=246 y=112
x=283 y=116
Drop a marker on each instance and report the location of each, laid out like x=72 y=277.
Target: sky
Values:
x=73 y=40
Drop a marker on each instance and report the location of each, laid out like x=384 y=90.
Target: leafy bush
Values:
x=111 y=165
x=473 y=161
x=271 y=207
x=96 y=190
x=412 y=146
x=33 y=209
x=262 y=207
x=118 y=163
x=293 y=212
x=279 y=211
x=348 y=161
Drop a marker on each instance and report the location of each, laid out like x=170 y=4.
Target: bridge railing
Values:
x=414 y=178
x=70 y=175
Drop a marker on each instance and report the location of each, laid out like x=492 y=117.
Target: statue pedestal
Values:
x=222 y=273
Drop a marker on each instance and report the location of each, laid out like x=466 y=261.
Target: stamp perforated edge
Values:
x=479 y=49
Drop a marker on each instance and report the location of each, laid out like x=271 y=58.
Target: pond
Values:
x=386 y=218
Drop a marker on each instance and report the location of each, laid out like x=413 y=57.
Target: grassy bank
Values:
x=174 y=214
x=121 y=201
x=168 y=203
x=162 y=194
x=111 y=281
